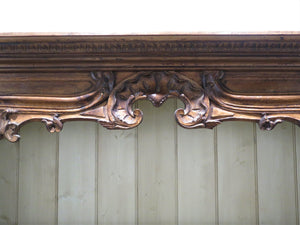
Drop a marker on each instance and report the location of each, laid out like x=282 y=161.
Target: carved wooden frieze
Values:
x=55 y=79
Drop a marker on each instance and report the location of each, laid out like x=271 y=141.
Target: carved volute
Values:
x=99 y=78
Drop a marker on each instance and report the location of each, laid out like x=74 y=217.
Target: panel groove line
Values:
x=276 y=178
x=236 y=173
x=157 y=165
x=297 y=145
x=56 y=178
x=77 y=188
x=256 y=174
x=18 y=181
x=137 y=172
x=295 y=173
x=9 y=182
x=37 y=176
x=117 y=177
x=196 y=176
x=97 y=136
x=217 y=219
x=176 y=106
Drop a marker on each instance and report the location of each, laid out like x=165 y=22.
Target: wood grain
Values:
x=56 y=79
x=117 y=190
x=37 y=176
x=236 y=173
x=157 y=166
x=77 y=174
x=196 y=177
x=276 y=184
x=159 y=173
x=9 y=182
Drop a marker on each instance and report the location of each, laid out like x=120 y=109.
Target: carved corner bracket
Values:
x=217 y=78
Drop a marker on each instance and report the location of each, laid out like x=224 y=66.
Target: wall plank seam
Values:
x=18 y=182
x=176 y=165
x=56 y=177
x=256 y=174
x=295 y=172
x=137 y=173
x=97 y=136
x=216 y=176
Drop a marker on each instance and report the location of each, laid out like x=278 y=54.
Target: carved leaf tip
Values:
x=53 y=124
x=11 y=133
x=104 y=80
x=157 y=99
x=157 y=87
x=267 y=123
x=8 y=129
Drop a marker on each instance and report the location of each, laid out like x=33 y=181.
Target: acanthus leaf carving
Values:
x=54 y=124
x=206 y=103
x=157 y=87
x=104 y=81
x=268 y=123
x=225 y=103
x=12 y=119
x=8 y=129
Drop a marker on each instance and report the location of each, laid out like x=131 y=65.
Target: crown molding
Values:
x=55 y=79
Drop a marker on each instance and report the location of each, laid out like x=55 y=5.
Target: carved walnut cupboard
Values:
x=55 y=79
x=158 y=172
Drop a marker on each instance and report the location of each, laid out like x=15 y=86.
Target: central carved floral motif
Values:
x=157 y=87
x=206 y=103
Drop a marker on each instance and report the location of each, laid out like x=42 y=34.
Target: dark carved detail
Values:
x=218 y=77
x=12 y=119
x=8 y=129
x=157 y=87
x=54 y=124
x=207 y=103
x=104 y=81
x=191 y=46
x=267 y=123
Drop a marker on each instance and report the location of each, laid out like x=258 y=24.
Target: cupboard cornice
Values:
x=55 y=79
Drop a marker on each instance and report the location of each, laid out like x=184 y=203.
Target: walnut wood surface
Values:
x=55 y=79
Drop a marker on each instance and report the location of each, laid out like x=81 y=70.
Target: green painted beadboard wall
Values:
x=158 y=173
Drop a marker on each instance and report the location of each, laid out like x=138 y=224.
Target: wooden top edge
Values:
x=81 y=37
x=153 y=45
x=217 y=33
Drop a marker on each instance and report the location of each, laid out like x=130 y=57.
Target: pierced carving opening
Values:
x=157 y=87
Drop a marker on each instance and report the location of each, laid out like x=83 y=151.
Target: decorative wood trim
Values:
x=55 y=79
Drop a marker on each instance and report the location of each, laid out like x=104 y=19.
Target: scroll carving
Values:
x=104 y=81
x=157 y=87
x=263 y=109
x=266 y=123
x=54 y=124
x=207 y=103
x=12 y=119
x=8 y=129
x=98 y=78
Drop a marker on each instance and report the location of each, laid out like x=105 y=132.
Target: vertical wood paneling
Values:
x=276 y=184
x=158 y=174
x=236 y=177
x=157 y=166
x=196 y=182
x=37 y=176
x=117 y=177
x=8 y=182
x=77 y=171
